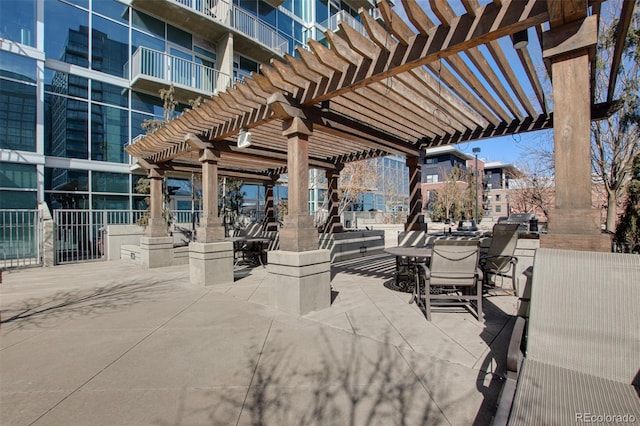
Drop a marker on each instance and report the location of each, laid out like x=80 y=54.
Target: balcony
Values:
x=212 y=19
x=332 y=24
x=152 y=70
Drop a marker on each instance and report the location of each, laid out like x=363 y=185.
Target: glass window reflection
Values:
x=66 y=179
x=66 y=200
x=66 y=127
x=112 y=9
x=18 y=199
x=109 y=133
x=110 y=202
x=109 y=93
x=15 y=175
x=18 y=21
x=110 y=46
x=110 y=182
x=17 y=116
x=17 y=67
x=66 y=33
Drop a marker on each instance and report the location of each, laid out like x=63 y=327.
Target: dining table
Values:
x=413 y=256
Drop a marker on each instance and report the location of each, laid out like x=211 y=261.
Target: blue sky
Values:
x=508 y=149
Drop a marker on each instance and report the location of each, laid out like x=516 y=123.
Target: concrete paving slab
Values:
x=159 y=350
x=24 y=408
x=63 y=359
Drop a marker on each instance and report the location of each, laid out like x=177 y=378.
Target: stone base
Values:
x=301 y=281
x=211 y=263
x=156 y=252
x=582 y=242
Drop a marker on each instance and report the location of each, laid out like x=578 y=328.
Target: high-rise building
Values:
x=78 y=78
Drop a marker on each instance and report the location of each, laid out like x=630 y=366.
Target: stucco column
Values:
x=574 y=223
x=298 y=233
x=415 y=220
x=157 y=226
x=210 y=228
x=333 y=178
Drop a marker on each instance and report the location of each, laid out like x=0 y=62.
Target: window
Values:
x=110 y=182
x=497 y=197
x=17 y=103
x=66 y=35
x=498 y=208
x=17 y=186
x=431 y=178
x=109 y=48
x=430 y=161
x=18 y=21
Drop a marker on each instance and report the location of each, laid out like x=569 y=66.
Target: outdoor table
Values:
x=256 y=247
x=413 y=255
x=237 y=245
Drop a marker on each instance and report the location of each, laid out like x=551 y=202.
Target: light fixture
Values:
x=244 y=138
x=520 y=40
x=324 y=106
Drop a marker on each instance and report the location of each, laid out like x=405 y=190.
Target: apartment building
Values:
x=493 y=178
x=78 y=78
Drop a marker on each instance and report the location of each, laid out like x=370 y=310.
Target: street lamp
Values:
x=476 y=150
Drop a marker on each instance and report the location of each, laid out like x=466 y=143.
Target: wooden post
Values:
x=333 y=222
x=210 y=229
x=415 y=220
x=298 y=233
x=157 y=226
x=574 y=224
x=269 y=223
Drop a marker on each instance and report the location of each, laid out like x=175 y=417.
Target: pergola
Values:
x=403 y=87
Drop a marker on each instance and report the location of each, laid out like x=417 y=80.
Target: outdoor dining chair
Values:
x=500 y=261
x=452 y=279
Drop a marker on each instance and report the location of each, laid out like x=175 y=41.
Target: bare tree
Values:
x=532 y=190
x=616 y=141
x=356 y=179
x=449 y=197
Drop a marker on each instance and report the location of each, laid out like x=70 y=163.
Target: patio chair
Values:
x=453 y=276
x=583 y=346
x=499 y=261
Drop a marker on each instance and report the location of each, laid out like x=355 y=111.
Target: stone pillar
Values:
x=299 y=232
x=300 y=274
x=156 y=247
x=210 y=257
x=333 y=222
x=574 y=224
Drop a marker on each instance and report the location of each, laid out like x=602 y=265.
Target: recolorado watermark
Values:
x=605 y=418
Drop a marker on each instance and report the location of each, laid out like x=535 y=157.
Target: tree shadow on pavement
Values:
x=40 y=312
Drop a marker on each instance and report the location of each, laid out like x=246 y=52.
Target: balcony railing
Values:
x=241 y=21
x=159 y=65
x=333 y=23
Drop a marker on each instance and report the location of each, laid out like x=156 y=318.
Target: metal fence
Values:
x=20 y=238
x=80 y=234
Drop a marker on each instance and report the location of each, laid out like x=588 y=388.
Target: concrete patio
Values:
x=109 y=343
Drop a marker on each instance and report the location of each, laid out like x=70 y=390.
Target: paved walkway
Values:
x=109 y=343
